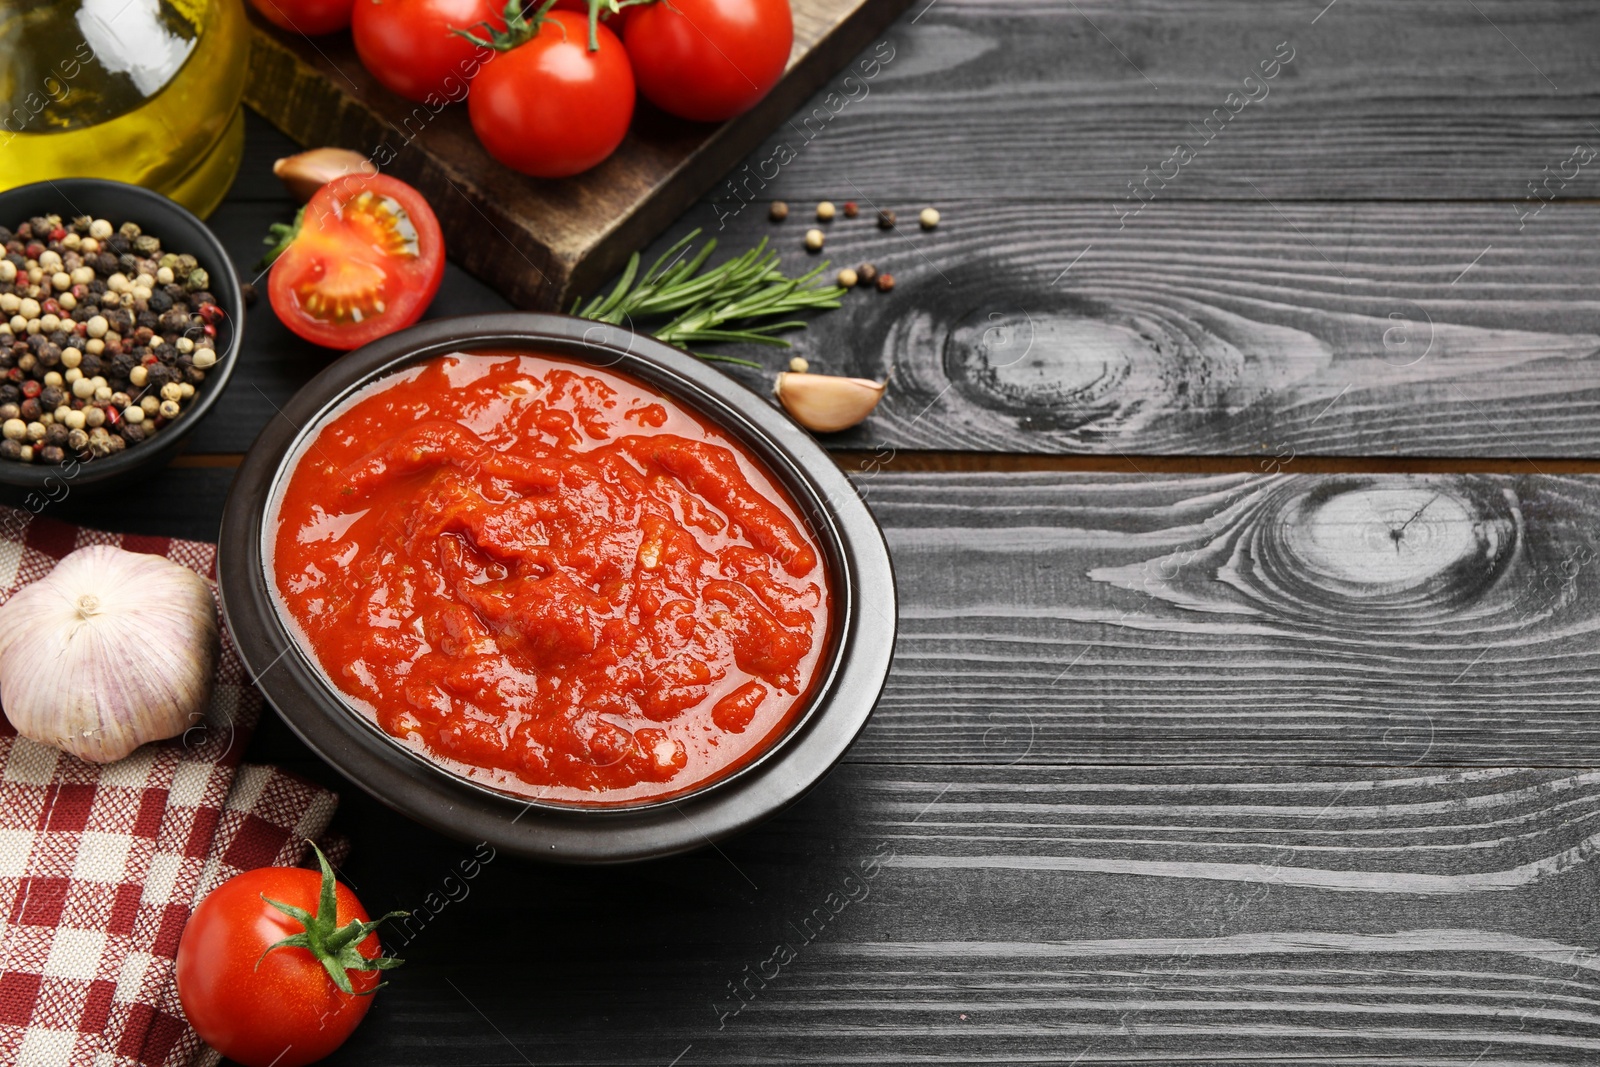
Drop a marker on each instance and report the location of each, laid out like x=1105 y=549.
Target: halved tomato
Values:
x=366 y=261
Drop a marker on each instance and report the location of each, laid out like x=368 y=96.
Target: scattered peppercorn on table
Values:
x=1240 y=463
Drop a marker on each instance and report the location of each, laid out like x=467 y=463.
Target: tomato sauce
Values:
x=550 y=578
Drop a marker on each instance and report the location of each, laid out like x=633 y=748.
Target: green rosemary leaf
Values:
x=745 y=299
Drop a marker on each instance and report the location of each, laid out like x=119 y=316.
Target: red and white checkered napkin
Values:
x=100 y=866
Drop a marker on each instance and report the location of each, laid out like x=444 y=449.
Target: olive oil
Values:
x=143 y=91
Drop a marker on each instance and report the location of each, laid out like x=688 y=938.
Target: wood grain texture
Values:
x=1048 y=101
x=1243 y=329
x=537 y=240
x=931 y=916
x=1375 y=619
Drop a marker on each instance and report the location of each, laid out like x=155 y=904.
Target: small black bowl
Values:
x=179 y=232
x=850 y=675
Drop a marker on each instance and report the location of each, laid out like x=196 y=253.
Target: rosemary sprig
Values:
x=747 y=299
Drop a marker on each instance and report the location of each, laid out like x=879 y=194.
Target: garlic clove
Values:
x=309 y=171
x=109 y=650
x=826 y=402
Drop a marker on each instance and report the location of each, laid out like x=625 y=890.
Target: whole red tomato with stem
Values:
x=557 y=97
x=364 y=259
x=277 y=966
x=412 y=46
x=709 y=60
x=311 y=18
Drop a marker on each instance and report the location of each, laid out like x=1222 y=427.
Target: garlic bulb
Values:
x=826 y=402
x=108 y=651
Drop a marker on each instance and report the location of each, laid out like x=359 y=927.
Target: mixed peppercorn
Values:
x=104 y=337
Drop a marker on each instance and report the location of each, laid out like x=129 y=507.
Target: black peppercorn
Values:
x=52 y=397
x=96 y=287
x=50 y=355
x=91 y=365
x=30 y=409
x=130 y=432
x=174 y=321
x=160 y=301
x=55 y=434
x=116 y=244
x=122 y=363
x=106 y=263
x=193 y=376
x=52 y=454
x=128 y=263
x=10 y=449
x=9 y=393
x=157 y=375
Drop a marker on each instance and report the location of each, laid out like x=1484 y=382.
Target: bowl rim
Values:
x=225 y=287
x=850 y=678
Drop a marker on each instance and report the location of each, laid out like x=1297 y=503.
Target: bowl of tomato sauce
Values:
x=554 y=585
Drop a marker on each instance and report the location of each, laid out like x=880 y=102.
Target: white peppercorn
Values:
x=14 y=429
x=134 y=414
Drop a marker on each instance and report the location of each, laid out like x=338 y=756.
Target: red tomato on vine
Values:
x=278 y=966
x=412 y=46
x=709 y=60
x=308 y=17
x=557 y=97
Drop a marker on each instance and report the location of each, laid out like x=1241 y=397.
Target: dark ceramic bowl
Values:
x=850 y=675
x=179 y=232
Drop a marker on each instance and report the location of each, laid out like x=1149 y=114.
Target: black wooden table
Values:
x=1236 y=467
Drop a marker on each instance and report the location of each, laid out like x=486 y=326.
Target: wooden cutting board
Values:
x=540 y=241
